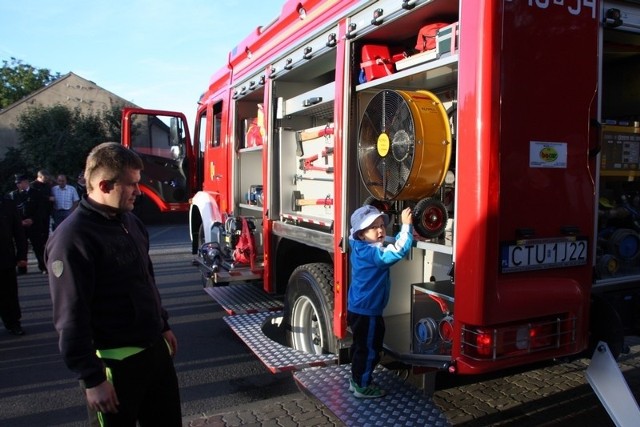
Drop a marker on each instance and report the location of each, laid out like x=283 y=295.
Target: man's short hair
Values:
x=112 y=159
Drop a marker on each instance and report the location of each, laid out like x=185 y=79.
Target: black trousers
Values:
x=9 y=304
x=147 y=388
x=38 y=238
x=368 y=336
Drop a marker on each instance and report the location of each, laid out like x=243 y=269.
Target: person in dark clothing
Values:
x=13 y=252
x=42 y=184
x=32 y=206
x=113 y=330
x=81 y=185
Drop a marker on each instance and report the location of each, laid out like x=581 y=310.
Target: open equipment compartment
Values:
x=304 y=112
x=435 y=71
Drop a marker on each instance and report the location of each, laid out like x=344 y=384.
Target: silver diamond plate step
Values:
x=244 y=298
x=403 y=405
x=275 y=356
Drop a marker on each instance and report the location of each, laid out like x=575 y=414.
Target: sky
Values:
x=155 y=53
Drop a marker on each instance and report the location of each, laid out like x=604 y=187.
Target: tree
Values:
x=18 y=80
x=11 y=165
x=59 y=139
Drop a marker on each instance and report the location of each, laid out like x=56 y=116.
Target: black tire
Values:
x=309 y=309
x=201 y=240
x=430 y=218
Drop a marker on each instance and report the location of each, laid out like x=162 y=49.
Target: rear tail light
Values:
x=484 y=343
x=515 y=339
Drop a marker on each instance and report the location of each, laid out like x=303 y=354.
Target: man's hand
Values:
x=27 y=222
x=102 y=398
x=22 y=263
x=172 y=341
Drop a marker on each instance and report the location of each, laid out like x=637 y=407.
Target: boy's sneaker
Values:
x=369 y=392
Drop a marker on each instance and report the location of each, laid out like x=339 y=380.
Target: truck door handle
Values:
x=311 y=101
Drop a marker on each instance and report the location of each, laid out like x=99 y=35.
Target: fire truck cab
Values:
x=510 y=127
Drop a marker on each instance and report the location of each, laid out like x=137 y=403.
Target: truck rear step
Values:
x=252 y=311
x=403 y=405
x=275 y=356
x=242 y=299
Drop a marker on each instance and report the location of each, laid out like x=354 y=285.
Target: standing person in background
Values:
x=32 y=206
x=81 y=185
x=65 y=200
x=114 y=332
x=13 y=252
x=42 y=184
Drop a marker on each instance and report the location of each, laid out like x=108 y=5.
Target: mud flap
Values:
x=403 y=405
x=605 y=377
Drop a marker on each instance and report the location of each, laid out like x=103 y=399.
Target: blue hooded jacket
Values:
x=370 y=262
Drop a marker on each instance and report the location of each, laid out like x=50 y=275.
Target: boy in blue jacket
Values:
x=369 y=290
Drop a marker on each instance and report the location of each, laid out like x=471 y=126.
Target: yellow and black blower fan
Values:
x=404 y=149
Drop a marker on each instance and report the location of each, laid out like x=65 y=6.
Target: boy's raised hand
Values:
x=406 y=216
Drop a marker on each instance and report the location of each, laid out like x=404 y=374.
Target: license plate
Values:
x=538 y=254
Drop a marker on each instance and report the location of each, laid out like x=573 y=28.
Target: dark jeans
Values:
x=58 y=216
x=368 y=336
x=147 y=388
x=9 y=304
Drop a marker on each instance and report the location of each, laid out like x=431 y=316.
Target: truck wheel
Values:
x=309 y=309
x=201 y=240
x=430 y=218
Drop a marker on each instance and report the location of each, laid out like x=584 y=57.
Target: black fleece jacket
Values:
x=13 y=243
x=102 y=287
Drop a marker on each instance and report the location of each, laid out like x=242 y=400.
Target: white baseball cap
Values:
x=363 y=217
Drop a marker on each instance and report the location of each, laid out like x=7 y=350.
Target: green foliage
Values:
x=18 y=80
x=112 y=122
x=59 y=139
x=11 y=165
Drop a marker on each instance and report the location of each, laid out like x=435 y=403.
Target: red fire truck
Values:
x=511 y=127
x=163 y=144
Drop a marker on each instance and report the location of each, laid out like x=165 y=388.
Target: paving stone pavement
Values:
x=552 y=396
x=302 y=411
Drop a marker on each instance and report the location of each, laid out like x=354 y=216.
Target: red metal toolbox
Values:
x=378 y=60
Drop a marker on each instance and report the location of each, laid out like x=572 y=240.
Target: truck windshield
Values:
x=160 y=136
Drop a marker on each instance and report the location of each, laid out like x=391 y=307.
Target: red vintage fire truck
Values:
x=511 y=127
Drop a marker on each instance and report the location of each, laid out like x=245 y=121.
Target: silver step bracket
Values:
x=607 y=381
x=403 y=404
x=275 y=356
x=243 y=299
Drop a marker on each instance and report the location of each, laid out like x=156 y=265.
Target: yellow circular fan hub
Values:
x=383 y=145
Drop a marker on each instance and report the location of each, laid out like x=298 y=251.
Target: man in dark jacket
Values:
x=33 y=207
x=106 y=307
x=13 y=252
